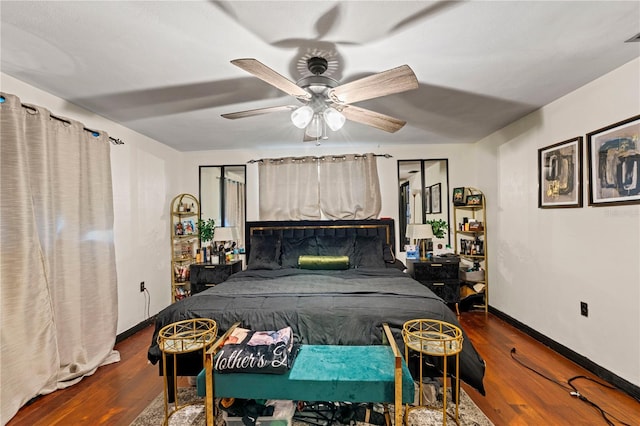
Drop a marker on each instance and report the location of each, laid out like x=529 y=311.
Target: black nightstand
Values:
x=439 y=274
x=205 y=275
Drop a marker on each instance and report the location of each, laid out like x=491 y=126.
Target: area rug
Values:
x=194 y=415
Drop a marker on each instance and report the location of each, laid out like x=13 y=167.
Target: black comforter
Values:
x=322 y=307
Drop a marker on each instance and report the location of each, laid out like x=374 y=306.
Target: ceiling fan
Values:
x=325 y=101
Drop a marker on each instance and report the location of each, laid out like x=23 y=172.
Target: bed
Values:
x=324 y=301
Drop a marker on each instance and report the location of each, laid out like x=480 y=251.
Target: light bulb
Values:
x=334 y=118
x=302 y=116
x=314 y=130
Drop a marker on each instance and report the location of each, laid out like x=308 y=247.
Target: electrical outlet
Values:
x=142 y=286
x=584 y=309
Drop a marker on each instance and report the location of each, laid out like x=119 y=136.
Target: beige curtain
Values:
x=349 y=187
x=289 y=189
x=338 y=187
x=58 y=277
x=235 y=207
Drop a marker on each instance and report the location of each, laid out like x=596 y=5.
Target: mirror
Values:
x=424 y=194
x=223 y=197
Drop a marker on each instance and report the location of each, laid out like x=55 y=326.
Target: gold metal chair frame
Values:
x=434 y=338
x=179 y=338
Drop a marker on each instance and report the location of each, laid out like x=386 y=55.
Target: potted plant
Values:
x=205 y=231
x=439 y=227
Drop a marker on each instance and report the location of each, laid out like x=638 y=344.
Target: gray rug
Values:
x=193 y=415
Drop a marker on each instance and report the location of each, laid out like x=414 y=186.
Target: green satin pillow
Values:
x=323 y=262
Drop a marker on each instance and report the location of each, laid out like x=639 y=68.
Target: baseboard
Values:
x=133 y=330
x=582 y=361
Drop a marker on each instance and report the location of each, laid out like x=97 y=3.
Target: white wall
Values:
x=145 y=178
x=461 y=167
x=544 y=262
x=147 y=175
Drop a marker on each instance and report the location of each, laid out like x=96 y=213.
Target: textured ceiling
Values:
x=162 y=67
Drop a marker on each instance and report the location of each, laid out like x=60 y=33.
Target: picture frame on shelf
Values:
x=560 y=174
x=189 y=227
x=427 y=200
x=178 y=228
x=436 y=205
x=613 y=153
x=460 y=196
x=474 y=200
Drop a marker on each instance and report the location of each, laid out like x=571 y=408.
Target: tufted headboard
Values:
x=384 y=228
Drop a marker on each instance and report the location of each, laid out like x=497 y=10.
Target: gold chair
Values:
x=180 y=338
x=439 y=339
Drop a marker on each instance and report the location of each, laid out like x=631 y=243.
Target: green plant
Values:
x=205 y=229
x=439 y=227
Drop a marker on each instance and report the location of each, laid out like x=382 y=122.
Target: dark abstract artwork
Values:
x=614 y=163
x=560 y=174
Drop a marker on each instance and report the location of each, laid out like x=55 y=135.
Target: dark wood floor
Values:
x=117 y=393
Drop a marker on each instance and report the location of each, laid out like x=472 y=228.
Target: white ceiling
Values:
x=162 y=67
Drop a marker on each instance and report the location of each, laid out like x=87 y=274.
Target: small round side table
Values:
x=434 y=338
x=180 y=338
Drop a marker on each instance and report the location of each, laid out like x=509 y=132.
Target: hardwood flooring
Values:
x=518 y=396
x=117 y=393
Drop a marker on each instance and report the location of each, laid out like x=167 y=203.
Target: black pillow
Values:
x=397 y=264
x=264 y=253
x=336 y=246
x=368 y=252
x=293 y=248
x=387 y=253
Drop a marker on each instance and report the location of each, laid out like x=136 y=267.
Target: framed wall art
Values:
x=613 y=153
x=427 y=200
x=460 y=196
x=436 y=206
x=560 y=174
x=474 y=200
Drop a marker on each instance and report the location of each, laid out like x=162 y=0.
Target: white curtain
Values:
x=234 y=207
x=289 y=189
x=336 y=187
x=349 y=187
x=58 y=279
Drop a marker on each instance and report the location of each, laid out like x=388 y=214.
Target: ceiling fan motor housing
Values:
x=317 y=65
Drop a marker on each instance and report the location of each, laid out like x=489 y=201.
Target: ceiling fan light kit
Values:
x=334 y=118
x=315 y=129
x=305 y=116
x=326 y=103
x=302 y=116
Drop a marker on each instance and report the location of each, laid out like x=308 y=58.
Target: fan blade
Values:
x=259 y=111
x=385 y=83
x=266 y=74
x=373 y=119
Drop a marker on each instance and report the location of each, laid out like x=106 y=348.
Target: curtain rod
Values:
x=230 y=180
x=321 y=157
x=95 y=133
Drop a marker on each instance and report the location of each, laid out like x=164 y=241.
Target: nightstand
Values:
x=440 y=275
x=205 y=275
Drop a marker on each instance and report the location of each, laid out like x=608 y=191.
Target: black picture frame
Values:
x=560 y=175
x=459 y=197
x=427 y=200
x=474 y=200
x=614 y=163
x=436 y=198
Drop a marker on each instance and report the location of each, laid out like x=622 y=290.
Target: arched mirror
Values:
x=223 y=197
x=424 y=194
